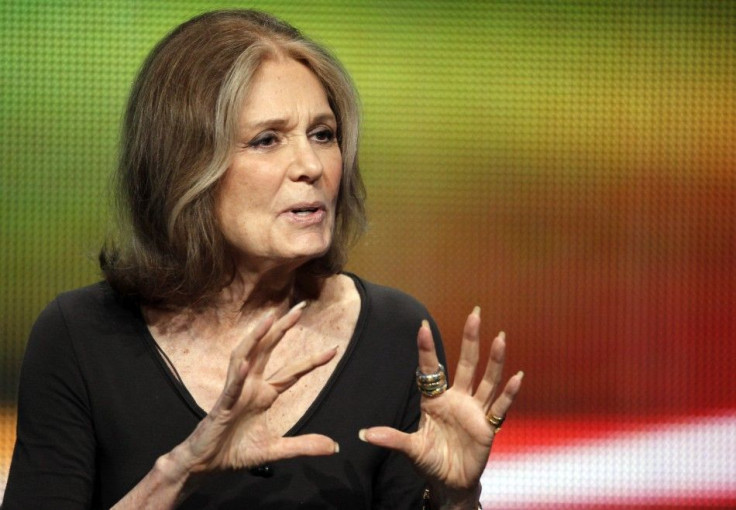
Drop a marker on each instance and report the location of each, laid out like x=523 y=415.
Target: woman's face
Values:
x=276 y=202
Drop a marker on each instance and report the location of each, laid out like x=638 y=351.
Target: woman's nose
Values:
x=306 y=164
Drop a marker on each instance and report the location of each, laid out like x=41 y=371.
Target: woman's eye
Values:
x=263 y=141
x=324 y=135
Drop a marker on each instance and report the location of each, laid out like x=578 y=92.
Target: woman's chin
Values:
x=310 y=247
x=305 y=254
x=313 y=254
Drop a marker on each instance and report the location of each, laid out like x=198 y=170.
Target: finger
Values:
x=262 y=351
x=311 y=445
x=233 y=387
x=494 y=371
x=390 y=438
x=428 y=361
x=468 y=353
x=286 y=377
x=238 y=355
x=239 y=367
x=502 y=404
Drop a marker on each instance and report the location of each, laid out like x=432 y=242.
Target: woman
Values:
x=226 y=361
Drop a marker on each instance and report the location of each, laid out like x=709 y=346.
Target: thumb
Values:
x=388 y=437
x=311 y=445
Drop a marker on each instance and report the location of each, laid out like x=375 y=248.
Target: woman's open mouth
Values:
x=307 y=214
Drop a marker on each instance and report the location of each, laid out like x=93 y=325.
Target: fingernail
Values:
x=520 y=374
x=361 y=435
x=300 y=305
x=476 y=310
x=502 y=334
x=425 y=323
x=337 y=447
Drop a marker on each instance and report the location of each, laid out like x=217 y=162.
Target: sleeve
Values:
x=53 y=462
x=398 y=486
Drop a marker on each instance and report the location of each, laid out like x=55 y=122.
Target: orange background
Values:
x=568 y=166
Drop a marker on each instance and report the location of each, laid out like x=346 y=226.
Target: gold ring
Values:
x=434 y=384
x=496 y=422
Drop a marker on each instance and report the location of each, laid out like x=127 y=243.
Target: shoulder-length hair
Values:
x=178 y=134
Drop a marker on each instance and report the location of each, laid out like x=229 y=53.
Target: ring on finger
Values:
x=495 y=421
x=434 y=384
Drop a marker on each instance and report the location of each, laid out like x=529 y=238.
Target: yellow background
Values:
x=569 y=166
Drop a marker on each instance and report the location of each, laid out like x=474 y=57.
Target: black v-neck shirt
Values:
x=98 y=405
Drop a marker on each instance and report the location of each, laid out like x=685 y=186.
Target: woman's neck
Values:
x=248 y=297
x=266 y=288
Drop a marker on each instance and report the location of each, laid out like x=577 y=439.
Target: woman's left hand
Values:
x=453 y=441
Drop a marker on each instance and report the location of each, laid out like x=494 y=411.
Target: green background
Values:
x=569 y=166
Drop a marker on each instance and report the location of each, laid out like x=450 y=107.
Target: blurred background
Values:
x=569 y=166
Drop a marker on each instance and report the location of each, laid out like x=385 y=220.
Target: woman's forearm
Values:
x=165 y=485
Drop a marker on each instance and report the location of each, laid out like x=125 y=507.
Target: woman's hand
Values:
x=453 y=441
x=235 y=433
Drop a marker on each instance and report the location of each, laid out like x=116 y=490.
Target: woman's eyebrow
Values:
x=325 y=117
x=281 y=122
x=266 y=123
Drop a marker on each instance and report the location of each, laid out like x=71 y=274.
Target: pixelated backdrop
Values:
x=569 y=166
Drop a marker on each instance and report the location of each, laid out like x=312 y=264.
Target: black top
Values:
x=98 y=405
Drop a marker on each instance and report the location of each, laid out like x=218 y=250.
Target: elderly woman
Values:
x=227 y=361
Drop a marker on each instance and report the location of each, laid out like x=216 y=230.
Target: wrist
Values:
x=442 y=498
x=173 y=468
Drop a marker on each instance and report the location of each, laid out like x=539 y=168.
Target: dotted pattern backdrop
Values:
x=569 y=166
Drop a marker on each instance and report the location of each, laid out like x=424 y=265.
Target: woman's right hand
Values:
x=235 y=434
